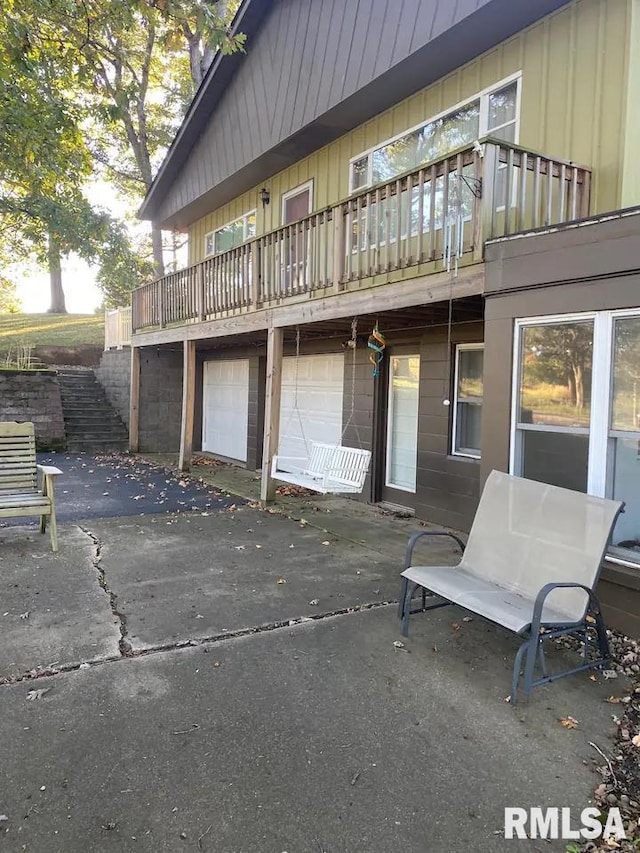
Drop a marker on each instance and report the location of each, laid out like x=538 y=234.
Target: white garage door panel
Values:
x=225 y=408
x=320 y=390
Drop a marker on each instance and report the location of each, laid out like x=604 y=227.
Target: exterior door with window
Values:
x=295 y=245
x=401 y=450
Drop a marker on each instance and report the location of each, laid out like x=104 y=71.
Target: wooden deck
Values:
x=432 y=220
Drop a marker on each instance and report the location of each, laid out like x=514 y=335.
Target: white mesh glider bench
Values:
x=531 y=565
x=19 y=492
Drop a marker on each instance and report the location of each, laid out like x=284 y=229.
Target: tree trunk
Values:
x=579 y=385
x=58 y=305
x=158 y=257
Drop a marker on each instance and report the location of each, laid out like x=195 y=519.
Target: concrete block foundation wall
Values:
x=160 y=399
x=27 y=395
x=114 y=374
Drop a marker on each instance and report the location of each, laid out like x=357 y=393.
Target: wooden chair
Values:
x=19 y=492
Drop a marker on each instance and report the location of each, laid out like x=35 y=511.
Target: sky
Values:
x=78 y=281
x=78 y=278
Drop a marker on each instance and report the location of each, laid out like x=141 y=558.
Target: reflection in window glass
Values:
x=433 y=140
x=624 y=450
x=402 y=426
x=507 y=133
x=555 y=442
x=624 y=485
x=468 y=401
x=502 y=106
x=231 y=235
x=360 y=173
x=555 y=374
x=493 y=113
x=557 y=458
x=625 y=410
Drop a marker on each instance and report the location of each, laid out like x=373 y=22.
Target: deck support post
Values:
x=134 y=402
x=275 y=339
x=188 y=405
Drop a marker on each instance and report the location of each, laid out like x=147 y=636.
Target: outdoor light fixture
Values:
x=265 y=196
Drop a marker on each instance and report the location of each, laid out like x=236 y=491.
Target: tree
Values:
x=44 y=161
x=560 y=354
x=118 y=75
x=9 y=302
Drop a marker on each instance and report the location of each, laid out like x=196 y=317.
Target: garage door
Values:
x=225 y=408
x=320 y=388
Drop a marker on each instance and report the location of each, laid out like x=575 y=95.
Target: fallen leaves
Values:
x=32 y=695
x=568 y=722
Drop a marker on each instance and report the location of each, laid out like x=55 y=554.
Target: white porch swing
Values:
x=327 y=468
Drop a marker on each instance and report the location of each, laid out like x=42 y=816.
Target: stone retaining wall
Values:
x=114 y=374
x=34 y=395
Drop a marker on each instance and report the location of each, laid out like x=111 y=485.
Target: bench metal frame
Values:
x=530 y=656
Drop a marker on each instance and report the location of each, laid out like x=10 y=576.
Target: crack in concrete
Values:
x=123 y=644
x=278 y=625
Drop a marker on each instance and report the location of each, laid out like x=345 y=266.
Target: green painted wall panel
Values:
x=574 y=102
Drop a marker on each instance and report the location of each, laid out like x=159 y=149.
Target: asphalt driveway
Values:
x=118 y=485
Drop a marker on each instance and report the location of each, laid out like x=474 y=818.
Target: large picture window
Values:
x=493 y=112
x=231 y=235
x=576 y=411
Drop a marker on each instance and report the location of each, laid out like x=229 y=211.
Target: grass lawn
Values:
x=56 y=330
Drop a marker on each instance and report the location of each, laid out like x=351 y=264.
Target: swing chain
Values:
x=353 y=345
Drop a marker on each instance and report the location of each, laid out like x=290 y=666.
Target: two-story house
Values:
x=374 y=165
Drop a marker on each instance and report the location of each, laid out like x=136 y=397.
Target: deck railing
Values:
x=436 y=216
x=117 y=328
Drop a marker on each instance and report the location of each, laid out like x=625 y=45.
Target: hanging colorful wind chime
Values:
x=376 y=343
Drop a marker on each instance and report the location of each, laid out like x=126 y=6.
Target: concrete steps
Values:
x=91 y=423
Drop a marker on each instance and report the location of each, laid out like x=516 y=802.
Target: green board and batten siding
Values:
x=574 y=67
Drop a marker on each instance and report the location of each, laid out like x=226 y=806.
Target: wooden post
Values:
x=256 y=273
x=200 y=291
x=271 y=411
x=487 y=204
x=134 y=403
x=188 y=405
x=338 y=246
x=160 y=297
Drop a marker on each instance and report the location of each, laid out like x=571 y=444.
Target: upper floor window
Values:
x=494 y=112
x=230 y=235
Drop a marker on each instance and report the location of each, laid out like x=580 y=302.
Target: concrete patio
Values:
x=226 y=680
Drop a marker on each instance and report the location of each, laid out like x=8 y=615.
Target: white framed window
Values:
x=493 y=112
x=467 y=400
x=231 y=235
x=576 y=411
